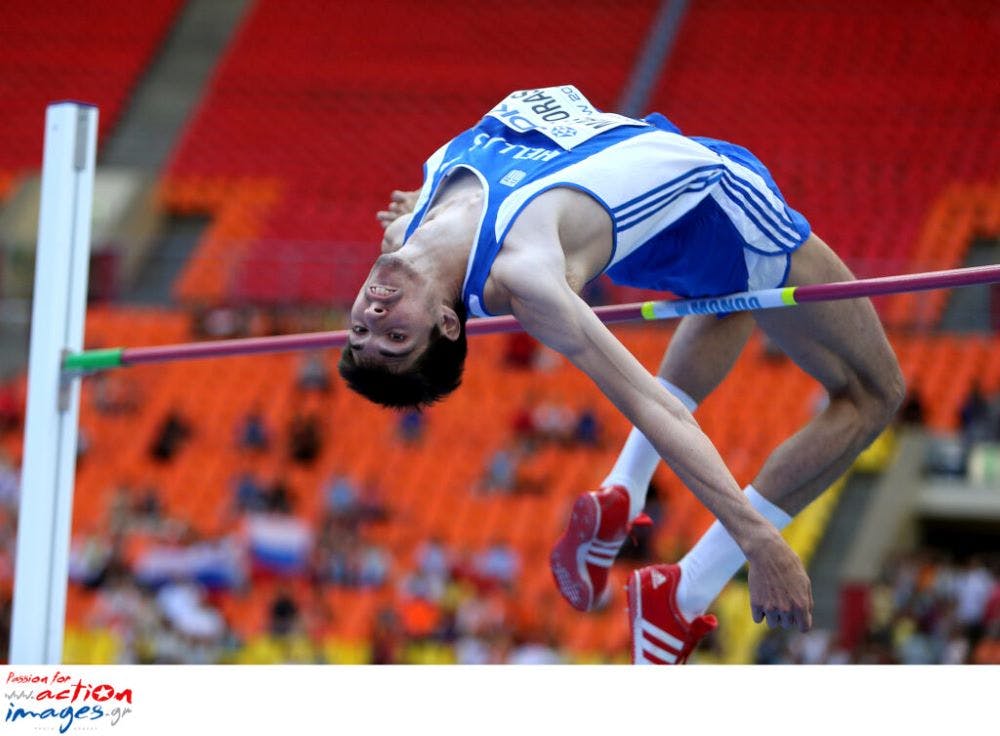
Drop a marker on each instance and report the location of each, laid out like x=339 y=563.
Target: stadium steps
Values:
x=172 y=84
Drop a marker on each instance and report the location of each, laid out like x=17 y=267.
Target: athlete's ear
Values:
x=449 y=323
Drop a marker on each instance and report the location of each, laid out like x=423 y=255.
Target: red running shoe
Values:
x=580 y=560
x=659 y=633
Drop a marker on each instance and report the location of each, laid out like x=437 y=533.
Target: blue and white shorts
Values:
x=739 y=236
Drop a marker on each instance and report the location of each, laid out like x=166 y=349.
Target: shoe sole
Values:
x=567 y=560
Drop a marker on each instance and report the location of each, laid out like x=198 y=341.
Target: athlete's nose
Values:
x=375 y=310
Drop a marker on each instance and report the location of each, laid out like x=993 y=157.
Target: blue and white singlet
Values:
x=693 y=216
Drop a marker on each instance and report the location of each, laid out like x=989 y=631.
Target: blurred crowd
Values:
x=161 y=592
x=972 y=451
x=167 y=594
x=927 y=608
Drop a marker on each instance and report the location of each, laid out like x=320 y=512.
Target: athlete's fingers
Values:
x=758 y=613
x=773 y=618
x=805 y=620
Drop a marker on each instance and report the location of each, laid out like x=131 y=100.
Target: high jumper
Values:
x=546 y=193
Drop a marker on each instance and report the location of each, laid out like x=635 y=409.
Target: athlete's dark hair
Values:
x=434 y=375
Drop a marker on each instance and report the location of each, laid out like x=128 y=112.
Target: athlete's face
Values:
x=392 y=317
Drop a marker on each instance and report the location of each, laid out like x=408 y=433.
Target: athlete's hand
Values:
x=400 y=203
x=780 y=591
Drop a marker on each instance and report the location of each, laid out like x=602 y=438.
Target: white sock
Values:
x=715 y=558
x=638 y=459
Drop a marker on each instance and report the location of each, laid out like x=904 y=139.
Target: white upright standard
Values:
x=50 y=435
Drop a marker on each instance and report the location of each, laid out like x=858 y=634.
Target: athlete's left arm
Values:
x=548 y=309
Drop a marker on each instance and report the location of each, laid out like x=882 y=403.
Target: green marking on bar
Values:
x=647 y=310
x=94 y=360
x=788 y=295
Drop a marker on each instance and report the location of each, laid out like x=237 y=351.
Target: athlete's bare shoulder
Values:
x=563 y=230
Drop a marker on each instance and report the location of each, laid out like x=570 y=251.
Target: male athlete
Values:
x=546 y=193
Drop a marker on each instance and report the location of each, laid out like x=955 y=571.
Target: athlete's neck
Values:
x=441 y=244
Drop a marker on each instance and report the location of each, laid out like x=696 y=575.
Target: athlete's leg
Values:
x=842 y=345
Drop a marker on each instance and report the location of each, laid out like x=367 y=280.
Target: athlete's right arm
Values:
x=400 y=203
x=549 y=310
x=395 y=231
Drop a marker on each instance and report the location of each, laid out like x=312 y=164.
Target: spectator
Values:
x=371 y=500
x=278 y=497
x=588 y=431
x=533 y=652
x=644 y=528
x=387 y=638
x=912 y=411
x=218 y=323
x=148 y=506
x=113 y=393
x=501 y=472
x=304 y=438
x=173 y=431
x=523 y=427
x=249 y=495
x=341 y=498
x=498 y=564
x=336 y=558
x=433 y=558
x=283 y=618
x=973 y=587
x=83 y=445
x=120 y=510
x=184 y=606
x=554 y=422
x=373 y=566
x=10 y=482
x=253 y=434
x=89 y=560
x=520 y=350
x=279 y=544
x=11 y=407
x=975 y=417
x=314 y=373
x=411 y=426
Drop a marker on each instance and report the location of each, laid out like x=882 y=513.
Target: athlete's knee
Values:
x=874 y=403
x=887 y=390
x=893 y=390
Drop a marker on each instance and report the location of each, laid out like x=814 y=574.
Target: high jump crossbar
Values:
x=93 y=360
